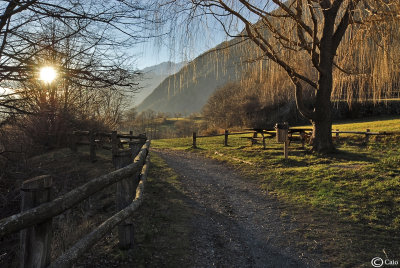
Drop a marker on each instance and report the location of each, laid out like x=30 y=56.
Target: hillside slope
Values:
x=188 y=90
x=153 y=76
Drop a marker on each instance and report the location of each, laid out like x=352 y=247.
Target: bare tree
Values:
x=302 y=37
x=94 y=37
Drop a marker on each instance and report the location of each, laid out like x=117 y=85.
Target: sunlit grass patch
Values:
x=359 y=184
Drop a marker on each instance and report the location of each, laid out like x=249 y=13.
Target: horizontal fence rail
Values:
x=95 y=140
x=109 y=135
x=71 y=255
x=38 y=210
x=293 y=134
x=270 y=132
x=59 y=205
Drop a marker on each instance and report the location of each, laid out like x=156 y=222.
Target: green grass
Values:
x=162 y=223
x=375 y=124
x=391 y=124
x=359 y=184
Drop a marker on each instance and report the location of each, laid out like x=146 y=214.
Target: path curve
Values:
x=235 y=223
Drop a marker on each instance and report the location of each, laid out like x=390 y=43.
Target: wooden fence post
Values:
x=286 y=149
x=337 y=135
x=263 y=140
x=367 y=135
x=114 y=143
x=124 y=197
x=194 y=146
x=35 y=241
x=282 y=136
x=226 y=137
x=92 y=146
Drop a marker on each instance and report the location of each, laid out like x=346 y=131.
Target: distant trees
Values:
x=229 y=105
x=303 y=38
x=129 y=117
x=251 y=102
x=158 y=125
x=185 y=127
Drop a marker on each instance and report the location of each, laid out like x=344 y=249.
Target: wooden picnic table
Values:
x=304 y=133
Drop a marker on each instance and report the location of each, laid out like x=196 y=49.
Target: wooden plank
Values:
x=129 y=136
x=114 y=144
x=286 y=149
x=72 y=254
x=80 y=133
x=123 y=198
x=220 y=135
x=35 y=241
x=358 y=132
x=194 y=145
x=124 y=136
x=226 y=137
x=59 y=205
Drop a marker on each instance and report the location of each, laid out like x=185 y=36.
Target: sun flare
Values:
x=47 y=74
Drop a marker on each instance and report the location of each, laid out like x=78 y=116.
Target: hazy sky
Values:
x=155 y=52
x=183 y=43
x=186 y=42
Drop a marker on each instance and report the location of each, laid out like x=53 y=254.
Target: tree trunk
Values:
x=321 y=117
x=322 y=133
x=322 y=121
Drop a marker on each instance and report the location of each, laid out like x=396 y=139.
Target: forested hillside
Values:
x=153 y=76
x=188 y=90
x=364 y=71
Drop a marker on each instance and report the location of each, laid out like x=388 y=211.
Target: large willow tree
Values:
x=303 y=38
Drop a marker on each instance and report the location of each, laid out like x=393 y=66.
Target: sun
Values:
x=47 y=74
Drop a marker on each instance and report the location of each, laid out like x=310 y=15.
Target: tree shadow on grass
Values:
x=191 y=149
x=339 y=154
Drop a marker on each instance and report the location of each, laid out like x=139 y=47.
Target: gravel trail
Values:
x=235 y=223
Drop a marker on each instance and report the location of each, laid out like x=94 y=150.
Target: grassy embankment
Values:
x=162 y=226
x=162 y=223
x=349 y=201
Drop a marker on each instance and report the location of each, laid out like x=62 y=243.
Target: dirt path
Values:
x=235 y=223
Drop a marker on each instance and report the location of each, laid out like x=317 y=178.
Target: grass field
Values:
x=374 y=124
x=359 y=185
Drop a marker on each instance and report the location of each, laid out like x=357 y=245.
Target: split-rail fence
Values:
x=34 y=222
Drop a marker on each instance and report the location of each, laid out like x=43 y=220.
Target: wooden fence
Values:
x=226 y=135
x=37 y=211
x=337 y=133
x=109 y=141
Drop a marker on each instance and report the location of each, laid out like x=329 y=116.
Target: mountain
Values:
x=153 y=76
x=189 y=89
